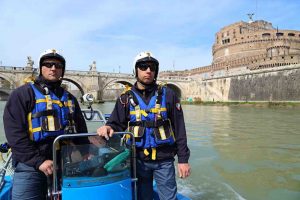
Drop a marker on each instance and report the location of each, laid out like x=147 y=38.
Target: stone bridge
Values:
x=103 y=85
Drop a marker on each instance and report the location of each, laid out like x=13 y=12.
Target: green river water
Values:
x=237 y=152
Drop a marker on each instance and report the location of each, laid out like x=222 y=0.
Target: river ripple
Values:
x=238 y=152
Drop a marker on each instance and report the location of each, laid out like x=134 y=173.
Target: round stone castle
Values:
x=245 y=46
x=256 y=44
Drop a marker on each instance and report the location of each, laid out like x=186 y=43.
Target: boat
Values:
x=90 y=169
x=108 y=173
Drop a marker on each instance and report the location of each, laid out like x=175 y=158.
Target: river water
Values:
x=237 y=152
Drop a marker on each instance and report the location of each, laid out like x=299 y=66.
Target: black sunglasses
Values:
x=145 y=66
x=50 y=64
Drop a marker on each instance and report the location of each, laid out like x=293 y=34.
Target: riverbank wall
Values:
x=280 y=84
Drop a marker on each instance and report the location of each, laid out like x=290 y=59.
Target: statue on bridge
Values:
x=93 y=67
x=30 y=62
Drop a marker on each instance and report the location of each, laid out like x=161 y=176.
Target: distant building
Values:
x=247 y=46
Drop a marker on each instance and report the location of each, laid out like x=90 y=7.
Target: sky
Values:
x=179 y=33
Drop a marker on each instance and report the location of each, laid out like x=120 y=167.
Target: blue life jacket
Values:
x=149 y=123
x=50 y=115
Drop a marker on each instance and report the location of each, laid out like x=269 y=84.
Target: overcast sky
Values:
x=179 y=33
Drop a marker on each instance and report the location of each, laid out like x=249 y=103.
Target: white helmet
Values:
x=52 y=53
x=145 y=56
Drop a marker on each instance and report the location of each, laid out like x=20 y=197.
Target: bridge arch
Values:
x=4 y=95
x=114 y=87
x=12 y=83
x=79 y=82
x=176 y=88
x=112 y=81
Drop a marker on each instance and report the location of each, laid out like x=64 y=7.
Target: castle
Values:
x=252 y=61
x=250 y=46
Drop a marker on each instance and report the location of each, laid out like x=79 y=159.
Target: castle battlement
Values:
x=247 y=46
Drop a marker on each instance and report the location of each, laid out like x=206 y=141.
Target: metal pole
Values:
x=4 y=169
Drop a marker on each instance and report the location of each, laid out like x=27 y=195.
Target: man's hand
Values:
x=184 y=170
x=105 y=131
x=47 y=167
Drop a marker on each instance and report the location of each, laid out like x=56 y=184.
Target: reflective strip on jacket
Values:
x=50 y=115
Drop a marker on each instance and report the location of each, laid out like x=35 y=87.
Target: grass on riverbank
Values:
x=242 y=103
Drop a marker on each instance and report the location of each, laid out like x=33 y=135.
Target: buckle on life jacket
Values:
x=153 y=153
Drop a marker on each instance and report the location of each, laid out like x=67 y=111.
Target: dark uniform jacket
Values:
x=19 y=104
x=120 y=117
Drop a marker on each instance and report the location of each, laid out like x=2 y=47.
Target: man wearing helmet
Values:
x=153 y=114
x=35 y=114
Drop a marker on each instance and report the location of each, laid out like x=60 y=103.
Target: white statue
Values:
x=30 y=62
x=93 y=66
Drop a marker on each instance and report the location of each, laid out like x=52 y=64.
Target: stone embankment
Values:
x=272 y=84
